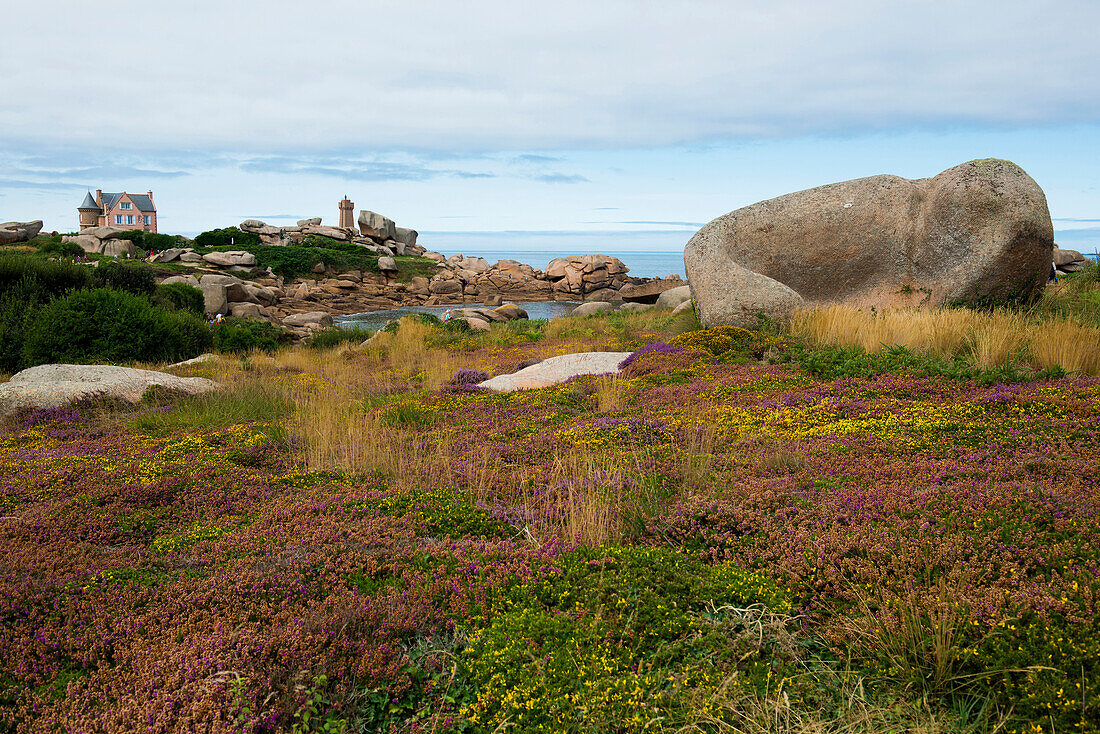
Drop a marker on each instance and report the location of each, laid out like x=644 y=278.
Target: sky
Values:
x=513 y=124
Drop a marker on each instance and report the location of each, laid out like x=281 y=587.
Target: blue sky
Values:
x=629 y=123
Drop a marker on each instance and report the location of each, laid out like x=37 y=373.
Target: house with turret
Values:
x=121 y=210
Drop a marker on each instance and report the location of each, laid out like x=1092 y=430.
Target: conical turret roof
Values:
x=89 y=202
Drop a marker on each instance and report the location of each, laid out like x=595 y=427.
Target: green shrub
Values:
x=443 y=512
x=179 y=297
x=26 y=283
x=334 y=336
x=130 y=277
x=17 y=303
x=236 y=335
x=562 y=651
x=49 y=278
x=153 y=241
x=57 y=248
x=1044 y=670
x=714 y=341
x=112 y=326
x=230 y=237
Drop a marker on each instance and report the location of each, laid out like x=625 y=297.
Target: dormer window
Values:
x=125 y=205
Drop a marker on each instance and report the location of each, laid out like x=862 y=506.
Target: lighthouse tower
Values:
x=347 y=218
x=89 y=211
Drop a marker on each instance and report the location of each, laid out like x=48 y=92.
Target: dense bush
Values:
x=242 y=335
x=229 y=237
x=112 y=326
x=50 y=278
x=179 y=297
x=334 y=336
x=26 y=283
x=57 y=248
x=153 y=241
x=129 y=277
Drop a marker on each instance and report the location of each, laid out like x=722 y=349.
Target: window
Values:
x=125 y=205
x=129 y=218
x=118 y=219
x=146 y=222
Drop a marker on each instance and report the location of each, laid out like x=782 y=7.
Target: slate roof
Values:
x=89 y=202
x=141 y=201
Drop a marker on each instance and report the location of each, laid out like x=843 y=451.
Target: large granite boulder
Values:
x=979 y=230
x=673 y=297
x=104 y=233
x=592 y=308
x=119 y=248
x=556 y=370
x=85 y=242
x=649 y=291
x=230 y=258
x=14 y=232
x=313 y=319
x=54 y=385
x=376 y=226
x=1068 y=261
x=406 y=236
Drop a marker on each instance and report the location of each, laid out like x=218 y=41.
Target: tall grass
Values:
x=987 y=338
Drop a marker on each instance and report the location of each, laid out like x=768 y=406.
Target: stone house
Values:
x=121 y=210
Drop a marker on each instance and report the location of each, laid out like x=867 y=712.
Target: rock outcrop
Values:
x=1068 y=261
x=103 y=241
x=54 y=385
x=12 y=233
x=979 y=230
x=457 y=280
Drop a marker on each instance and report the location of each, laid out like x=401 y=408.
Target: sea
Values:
x=647 y=254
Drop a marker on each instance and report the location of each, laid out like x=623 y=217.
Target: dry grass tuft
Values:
x=610 y=394
x=989 y=339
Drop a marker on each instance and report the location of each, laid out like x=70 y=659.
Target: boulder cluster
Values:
x=377 y=233
x=103 y=241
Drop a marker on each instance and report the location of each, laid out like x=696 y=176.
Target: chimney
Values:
x=150 y=193
x=99 y=197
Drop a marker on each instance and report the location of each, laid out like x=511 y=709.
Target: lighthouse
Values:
x=347 y=218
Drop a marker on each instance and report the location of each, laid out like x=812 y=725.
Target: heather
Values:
x=735 y=533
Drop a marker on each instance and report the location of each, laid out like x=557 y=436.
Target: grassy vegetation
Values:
x=299 y=260
x=869 y=523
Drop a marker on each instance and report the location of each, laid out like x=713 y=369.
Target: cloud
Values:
x=559 y=178
x=568 y=75
x=1074 y=219
x=671 y=224
x=274 y=216
x=116 y=172
x=528 y=158
x=353 y=170
x=13 y=183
